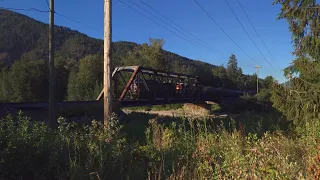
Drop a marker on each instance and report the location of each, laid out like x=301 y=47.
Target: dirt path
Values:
x=181 y=113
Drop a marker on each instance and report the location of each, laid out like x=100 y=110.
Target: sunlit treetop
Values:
x=304 y=23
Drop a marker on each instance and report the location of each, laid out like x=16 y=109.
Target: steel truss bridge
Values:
x=142 y=86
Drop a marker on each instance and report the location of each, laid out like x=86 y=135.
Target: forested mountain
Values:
x=79 y=59
x=22 y=37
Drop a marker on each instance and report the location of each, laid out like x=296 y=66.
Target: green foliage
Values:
x=264 y=96
x=31 y=150
x=147 y=55
x=301 y=16
x=79 y=46
x=62 y=71
x=268 y=82
x=250 y=82
x=300 y=106
x=232 y=77
x=221 y=73
x=24 y=39
x=299 y=101
x=215 y=108
x=184 y=149
x=25 y=81
x=87 y=83
x=4 y=85
x=233 y=71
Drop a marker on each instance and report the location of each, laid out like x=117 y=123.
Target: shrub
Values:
x=31 y=150
x=186 y=149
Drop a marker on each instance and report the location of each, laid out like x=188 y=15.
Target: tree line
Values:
x=27 y=80
x=79 y=59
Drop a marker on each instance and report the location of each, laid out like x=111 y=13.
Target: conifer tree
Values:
x=300 y=101
x=232 y=68
x=234 y=72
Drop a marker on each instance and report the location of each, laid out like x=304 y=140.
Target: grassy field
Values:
x=254 y=146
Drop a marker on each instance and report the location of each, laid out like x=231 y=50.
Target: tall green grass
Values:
x=156 y=148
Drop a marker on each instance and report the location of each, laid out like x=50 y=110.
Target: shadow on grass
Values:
x=137 y=123
x=247 y=122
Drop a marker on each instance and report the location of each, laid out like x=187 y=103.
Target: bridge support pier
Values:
x=197 y=109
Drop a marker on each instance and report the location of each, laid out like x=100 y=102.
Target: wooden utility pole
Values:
x=107 y=98
x=257 y=78
x=52 y=116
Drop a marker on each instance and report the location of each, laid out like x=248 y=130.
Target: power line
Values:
x=34 y=9
x=248 y=33
x=20 y=9
x=47 y=4
x=256 y=31
x=192 y=36
x=81 y=23
x=165 y=17
x=76 y=21
x=179 y=31
x=223 y=30
x=159 y=24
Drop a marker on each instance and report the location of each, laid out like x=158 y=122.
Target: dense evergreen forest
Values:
x=79 y=62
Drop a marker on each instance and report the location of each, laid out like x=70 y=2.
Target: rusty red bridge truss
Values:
x=141 y=86
x=136 y=85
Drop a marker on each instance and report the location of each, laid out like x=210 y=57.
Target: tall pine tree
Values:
x=232 y=68
x=234 y=72
x=300 y=101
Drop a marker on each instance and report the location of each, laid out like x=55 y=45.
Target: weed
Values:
x=182 y=149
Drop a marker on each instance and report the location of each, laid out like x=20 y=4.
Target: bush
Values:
x=263 y=96
x=176 y=153
x=31 y=150
x=186 y=149
x=215 y=108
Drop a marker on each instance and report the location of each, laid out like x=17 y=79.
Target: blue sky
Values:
x=128 y=25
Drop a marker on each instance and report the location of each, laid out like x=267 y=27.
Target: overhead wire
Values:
x=62 y=15
x=159 y=24
x=223 y=30
x=43 y=11
x=34 y=9
x=248 y=33
x=256 y=31
x=179 y=31
x=48 y=4
x=185 y=31
x=21 y=9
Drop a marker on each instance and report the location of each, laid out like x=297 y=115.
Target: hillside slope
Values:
x=22 y=37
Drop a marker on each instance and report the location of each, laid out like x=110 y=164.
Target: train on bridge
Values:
x=142 y=86
x=136 y=85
